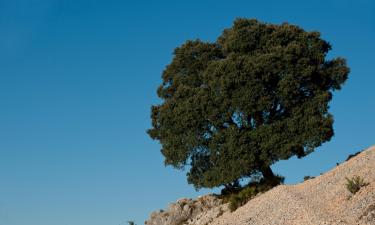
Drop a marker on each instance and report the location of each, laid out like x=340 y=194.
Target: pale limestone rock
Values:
x=190 y=212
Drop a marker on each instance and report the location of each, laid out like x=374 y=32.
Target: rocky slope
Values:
x=323 y=200
x=202 y=210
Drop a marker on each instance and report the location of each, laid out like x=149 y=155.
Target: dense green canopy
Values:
x=234 y=107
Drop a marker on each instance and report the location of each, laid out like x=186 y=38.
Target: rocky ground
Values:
x=200 y=211
x=323 y=200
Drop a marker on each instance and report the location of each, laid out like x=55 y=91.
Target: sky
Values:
x=78 y=78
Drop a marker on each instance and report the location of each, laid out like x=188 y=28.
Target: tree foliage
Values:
x=234 y=107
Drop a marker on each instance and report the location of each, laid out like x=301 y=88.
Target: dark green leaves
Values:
x=234 y=107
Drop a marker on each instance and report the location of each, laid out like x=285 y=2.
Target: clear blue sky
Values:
x=77 y=79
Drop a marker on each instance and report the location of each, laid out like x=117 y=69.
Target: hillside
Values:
x=323 y=200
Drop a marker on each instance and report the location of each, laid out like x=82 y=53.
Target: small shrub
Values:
x=239 y=199
x=265 y=185
x=305 y=178
x=352 y=155
x=243 y=195
x=355 y=184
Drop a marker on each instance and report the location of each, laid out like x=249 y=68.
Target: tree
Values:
x=234 y=107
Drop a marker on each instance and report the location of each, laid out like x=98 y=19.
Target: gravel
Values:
x=323 y=200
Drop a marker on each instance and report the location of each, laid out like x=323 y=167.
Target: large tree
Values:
x=234 y=107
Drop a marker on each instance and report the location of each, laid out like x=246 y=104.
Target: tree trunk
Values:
x=267 y=173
